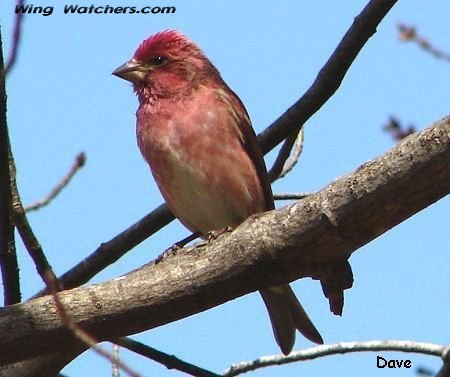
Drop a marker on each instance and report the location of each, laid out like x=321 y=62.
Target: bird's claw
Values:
x=213 y=234
x=172 y=250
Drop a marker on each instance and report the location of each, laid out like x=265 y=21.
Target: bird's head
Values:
x=166 y=64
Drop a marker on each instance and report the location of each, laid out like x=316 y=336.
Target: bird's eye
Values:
x=158 y=60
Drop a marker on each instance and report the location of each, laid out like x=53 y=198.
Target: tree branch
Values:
x=47 y=365
x=338 y=349
x=8 y=257
x=109 y=252
x=307 y=238
x=80 y=161
x=409 y=34
x=291 y=195
x=169 y=361
x=330 y=76
x=285 y=162
x=15 y=40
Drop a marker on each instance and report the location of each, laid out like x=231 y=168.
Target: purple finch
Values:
x=196 y=135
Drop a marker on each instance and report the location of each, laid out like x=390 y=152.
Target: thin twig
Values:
x=322 y=89
x=409 y=34
x=15 y=40
x=285 y=150
x=445 y=369
x=169 y=361
x=292 y=160
x=79 y=332
x=291 y=195
x=48 y=276
x=8 y=257
x=52 y=284
x=116 y=357
x=424 y=371
x=339 y=348
x=110 y=251
x=26 y=233
x=79 y=162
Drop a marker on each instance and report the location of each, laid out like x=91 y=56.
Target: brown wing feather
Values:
x=251 y=145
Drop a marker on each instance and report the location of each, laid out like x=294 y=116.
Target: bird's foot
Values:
x=172 y=250
x=213 y=234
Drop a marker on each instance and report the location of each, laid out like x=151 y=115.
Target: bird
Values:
x=196 y=136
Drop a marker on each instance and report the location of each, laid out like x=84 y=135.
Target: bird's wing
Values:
x=247 y=135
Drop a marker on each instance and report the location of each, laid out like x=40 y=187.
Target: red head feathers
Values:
x=167 y=42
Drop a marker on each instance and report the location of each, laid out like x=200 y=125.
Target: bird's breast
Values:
x=202 y=169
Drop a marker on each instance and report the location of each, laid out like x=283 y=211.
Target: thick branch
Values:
x=47 y=365
x=304 y=239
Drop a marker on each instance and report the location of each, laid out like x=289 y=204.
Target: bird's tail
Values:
x=286 y=315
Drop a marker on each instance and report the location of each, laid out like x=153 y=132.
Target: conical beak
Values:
x=132 y=71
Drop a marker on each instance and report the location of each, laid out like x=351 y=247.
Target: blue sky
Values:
x=63 y=100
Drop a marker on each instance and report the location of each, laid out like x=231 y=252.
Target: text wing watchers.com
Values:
x=92 y=9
